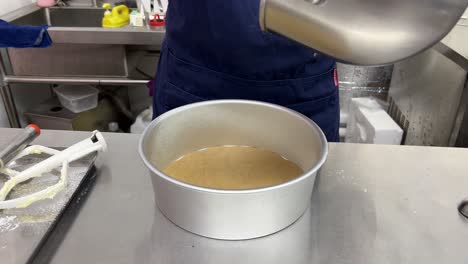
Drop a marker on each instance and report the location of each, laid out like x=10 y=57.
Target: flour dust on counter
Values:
x=233 y=168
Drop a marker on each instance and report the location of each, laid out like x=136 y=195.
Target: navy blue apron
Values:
x=215 y=49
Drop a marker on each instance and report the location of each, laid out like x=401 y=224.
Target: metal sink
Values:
x=83 y=25
x=64 y=17
x=74 y=17
x=81 y=46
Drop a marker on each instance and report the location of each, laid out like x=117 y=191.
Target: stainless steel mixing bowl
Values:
x=233 y=214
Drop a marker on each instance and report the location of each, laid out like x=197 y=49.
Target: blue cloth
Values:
x=12 y=36
x=215 y=49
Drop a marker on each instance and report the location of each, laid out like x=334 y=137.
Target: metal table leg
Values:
x=5 y=92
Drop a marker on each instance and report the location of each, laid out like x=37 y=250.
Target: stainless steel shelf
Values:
x=73 y=80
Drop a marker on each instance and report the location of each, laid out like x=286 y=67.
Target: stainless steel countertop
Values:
x=372 y=204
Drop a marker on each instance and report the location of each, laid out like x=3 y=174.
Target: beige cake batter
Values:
x=233 y=167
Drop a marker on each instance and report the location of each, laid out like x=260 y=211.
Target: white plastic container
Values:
x=369 y=123
x=77 y=98
x=142 y=121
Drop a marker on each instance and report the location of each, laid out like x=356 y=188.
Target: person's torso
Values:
x=224 y=35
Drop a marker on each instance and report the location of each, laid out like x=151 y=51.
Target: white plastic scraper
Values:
x=59 y=158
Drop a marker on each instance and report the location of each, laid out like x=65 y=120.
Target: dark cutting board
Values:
x=23 y=230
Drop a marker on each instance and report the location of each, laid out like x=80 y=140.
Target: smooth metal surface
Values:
x=79 y=3
x=388 y=211
x=460 y=123
x=363 y=32
x=64 y=17
x=7 y=97
x=80 y=25
x=377 y=214
x=122 y=36
x=47 y=16
x=23 y=230
x=426 y=97
x=454 y=48
x=9 y=104
x=17 y=144
x=70 y=60
x=233 y=214
x=72 y=80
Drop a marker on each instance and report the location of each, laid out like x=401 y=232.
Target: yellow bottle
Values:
x=119 y=17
